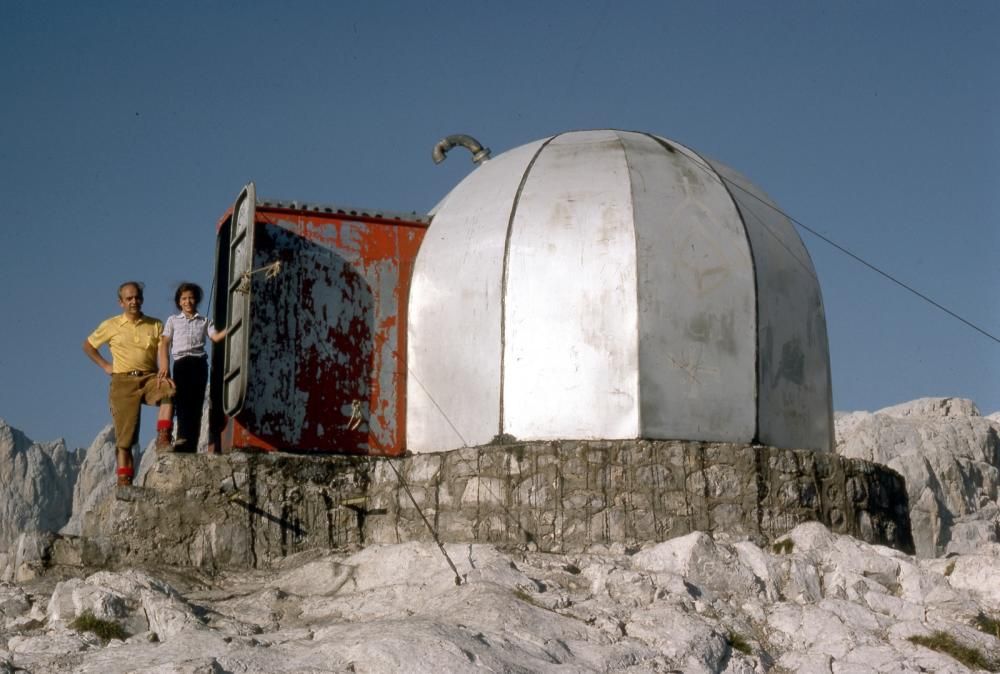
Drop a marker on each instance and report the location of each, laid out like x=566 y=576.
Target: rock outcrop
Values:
x=96 y=479
x=36 y=486
x=950 y=458
x=815 y=602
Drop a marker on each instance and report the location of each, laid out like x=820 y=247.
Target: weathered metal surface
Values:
x=571 y=358
x=240 y=259
x=795 y=399
x=696 y=299
x=454 y=347
x=604 y=284
x=327 y=333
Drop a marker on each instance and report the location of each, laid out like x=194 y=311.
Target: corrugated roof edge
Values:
x=333 y=209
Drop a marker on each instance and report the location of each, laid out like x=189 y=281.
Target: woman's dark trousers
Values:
x=190 y=377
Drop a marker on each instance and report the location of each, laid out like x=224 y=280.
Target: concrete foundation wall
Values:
x=251 y=510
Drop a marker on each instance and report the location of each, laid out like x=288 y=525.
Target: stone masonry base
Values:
x=250 y=510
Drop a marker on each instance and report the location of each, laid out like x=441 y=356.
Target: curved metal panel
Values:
x=795 y=400
x=453 y=350
x=238 y=289
x=697 y=322
x=645 y=292
x=570 y=362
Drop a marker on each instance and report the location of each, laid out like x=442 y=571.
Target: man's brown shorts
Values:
x=128 y=393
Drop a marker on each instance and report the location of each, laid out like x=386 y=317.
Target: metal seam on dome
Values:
x=809 y=269
x=638 y=299
x=708 y=168
x=504 y=273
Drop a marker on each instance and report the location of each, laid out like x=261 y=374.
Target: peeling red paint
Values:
x=328 y=335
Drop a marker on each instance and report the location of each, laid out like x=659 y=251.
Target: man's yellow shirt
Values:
x=133 y=345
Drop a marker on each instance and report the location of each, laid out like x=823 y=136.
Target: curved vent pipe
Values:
x=479 y=153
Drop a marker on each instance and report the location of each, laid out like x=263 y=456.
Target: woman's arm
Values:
x=218 y=336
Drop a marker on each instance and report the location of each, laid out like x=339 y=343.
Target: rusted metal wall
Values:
x=327 y=334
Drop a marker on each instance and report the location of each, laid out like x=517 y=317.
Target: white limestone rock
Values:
x=14 y=603
x=972 y=531
x=53 y=642
x=26 y=559
x=96 y=479
x=933 y=407
x=950 y=457
x=697 y=558
x=36 y=483
x=823 y=603
x=978 y=574
x=134 y=599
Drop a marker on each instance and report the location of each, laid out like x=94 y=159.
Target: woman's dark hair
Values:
x=188 y=287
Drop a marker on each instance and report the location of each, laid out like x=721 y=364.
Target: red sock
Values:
x=163 y=424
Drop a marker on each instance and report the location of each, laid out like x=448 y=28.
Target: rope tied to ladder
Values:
x=356 y=417
x=269 y=270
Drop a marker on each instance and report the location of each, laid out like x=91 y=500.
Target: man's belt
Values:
x=134 y=373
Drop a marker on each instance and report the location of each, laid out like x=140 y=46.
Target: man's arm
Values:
x=217 y=337
x=96 y=356
x=163 y=357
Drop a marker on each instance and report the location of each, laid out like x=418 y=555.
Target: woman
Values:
x=184 y=338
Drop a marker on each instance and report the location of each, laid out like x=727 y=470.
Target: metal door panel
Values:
x=238 y=304
x=323 y=368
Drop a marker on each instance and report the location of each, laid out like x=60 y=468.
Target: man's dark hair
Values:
x=138 y=286
x=188 y=287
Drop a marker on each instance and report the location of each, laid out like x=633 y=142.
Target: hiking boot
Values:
x=125 y=476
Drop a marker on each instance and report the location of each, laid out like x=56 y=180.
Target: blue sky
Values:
x=127 y=128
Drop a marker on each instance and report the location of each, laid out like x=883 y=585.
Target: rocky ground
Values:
x=813 y=602
x=817 y=603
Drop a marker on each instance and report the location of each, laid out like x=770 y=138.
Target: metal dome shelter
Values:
x=611 y=284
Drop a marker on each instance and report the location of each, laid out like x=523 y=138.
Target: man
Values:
x=132 y=338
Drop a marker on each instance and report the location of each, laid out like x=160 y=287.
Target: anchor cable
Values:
x=729 y=183
x=458 y=578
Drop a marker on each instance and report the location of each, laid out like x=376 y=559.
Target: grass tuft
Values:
x=738 y=643
x=105 y=629
x=783 y=547
x=948 y=570
x=987 y=624
x=942 y=642
x=529 y=598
